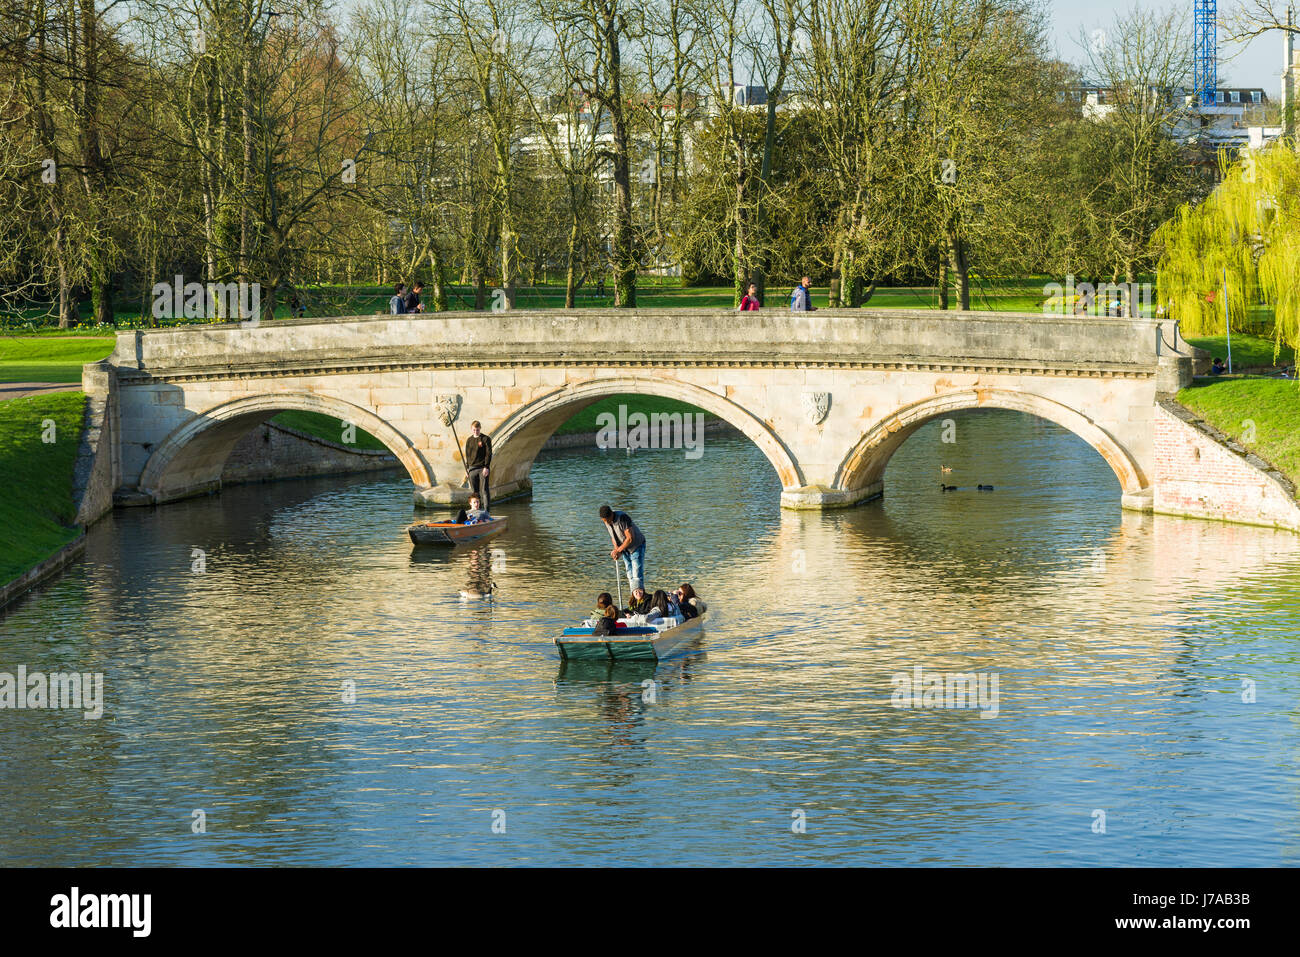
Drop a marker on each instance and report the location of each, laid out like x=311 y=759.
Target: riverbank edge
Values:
x=297 y=454
x=578 y=439
x=43 y=571
x=1260 y=484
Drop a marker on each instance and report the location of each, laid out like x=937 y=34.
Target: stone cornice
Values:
x=299 y=369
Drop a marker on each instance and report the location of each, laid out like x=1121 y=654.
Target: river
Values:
x=286 y=681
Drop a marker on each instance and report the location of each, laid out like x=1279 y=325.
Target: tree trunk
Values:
x=738 y=252
x=961 y=270
x=837 y=263
x=624 y=239
x=439 y=278
x=943 y=279
x=570 y=262
x=103 y=297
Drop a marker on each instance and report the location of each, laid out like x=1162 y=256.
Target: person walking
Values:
x=412 y=301
x=629 y=544
x=801 y=296
x=478 y=458
x=750 y=303
x=397 y=305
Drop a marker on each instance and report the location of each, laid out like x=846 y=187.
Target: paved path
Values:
x=21 y=390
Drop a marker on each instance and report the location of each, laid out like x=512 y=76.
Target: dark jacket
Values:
x=478 y=452
x=635 y=607
x=692 y=608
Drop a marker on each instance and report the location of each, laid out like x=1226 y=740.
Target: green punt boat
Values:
x=634 y=643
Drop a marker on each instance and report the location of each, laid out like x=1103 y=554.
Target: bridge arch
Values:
x=191 y=458
x=865 y=464
x=521 y=435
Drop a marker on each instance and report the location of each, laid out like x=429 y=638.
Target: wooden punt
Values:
x=450 y=533
x=634 y=643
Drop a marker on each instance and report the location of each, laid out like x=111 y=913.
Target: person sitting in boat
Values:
x=692 y=606
x=661 y=606
x=606 y=615
x=638 y=604
x=475 y=514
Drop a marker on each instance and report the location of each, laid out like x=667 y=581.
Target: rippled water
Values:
x=1120 y=642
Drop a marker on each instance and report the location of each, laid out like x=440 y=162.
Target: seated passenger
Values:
x=475 y=514
x=660 y=607
x=606 y=615
x=691 y=605
x=638 y=604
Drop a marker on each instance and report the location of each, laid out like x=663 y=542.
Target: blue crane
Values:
x=1204 y=68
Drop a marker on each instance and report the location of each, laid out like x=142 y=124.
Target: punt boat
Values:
x=651 y=641
x=452 y=533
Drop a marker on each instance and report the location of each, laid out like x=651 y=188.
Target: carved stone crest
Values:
x=447 y=407
x=816 y=405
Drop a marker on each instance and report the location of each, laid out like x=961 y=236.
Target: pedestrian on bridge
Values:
x=801 y=297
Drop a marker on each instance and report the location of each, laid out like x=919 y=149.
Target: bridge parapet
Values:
x=972 y=341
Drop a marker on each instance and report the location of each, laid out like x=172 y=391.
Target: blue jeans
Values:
x=634 y=562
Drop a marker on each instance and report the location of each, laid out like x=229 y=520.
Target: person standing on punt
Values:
x=629 y=544
x=478 y=457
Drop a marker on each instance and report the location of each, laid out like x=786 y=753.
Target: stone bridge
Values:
x=828 y=398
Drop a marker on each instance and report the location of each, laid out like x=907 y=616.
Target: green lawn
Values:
x=585 y=421
x=1016 y=294
x=1248 y=351
x=36 y=507
x=328 y=428
x=1272 y=405
x=49 y=358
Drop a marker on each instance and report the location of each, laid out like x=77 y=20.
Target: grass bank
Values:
x=1262 y=414
x=49 y=358
x=331 y=429
x=38 y=450
x=328 y=428
x=1248 y=351
x=586 y=420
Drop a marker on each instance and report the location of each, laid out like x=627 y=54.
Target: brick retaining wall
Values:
x=1199 y=473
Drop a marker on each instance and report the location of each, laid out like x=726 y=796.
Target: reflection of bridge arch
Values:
x=521 y=435
x=191 y=458
x=865 y=464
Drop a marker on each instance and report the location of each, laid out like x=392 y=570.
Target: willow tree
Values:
x=1246 y=235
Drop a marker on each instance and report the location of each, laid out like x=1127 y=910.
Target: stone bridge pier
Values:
x=827 y=396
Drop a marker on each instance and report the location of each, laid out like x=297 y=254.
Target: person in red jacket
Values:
x=750 y=302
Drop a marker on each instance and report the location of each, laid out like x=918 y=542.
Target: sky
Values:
x=1256 y=64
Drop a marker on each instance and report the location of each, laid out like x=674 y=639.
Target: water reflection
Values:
x=1121 y=643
